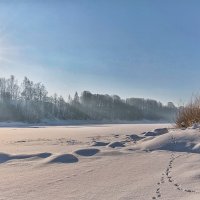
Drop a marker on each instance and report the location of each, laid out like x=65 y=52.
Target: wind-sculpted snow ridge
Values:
x=87 y=152
x=185 y=141
x=156 y=132
x=116 y=144
x=135 y=137
x=64 y=158
x=7 y=157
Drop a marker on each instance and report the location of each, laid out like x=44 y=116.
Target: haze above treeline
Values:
x=29 y=101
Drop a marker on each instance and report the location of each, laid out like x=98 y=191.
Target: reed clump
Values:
x=189 y=114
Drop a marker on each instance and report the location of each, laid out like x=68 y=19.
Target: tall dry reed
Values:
x=189 y=114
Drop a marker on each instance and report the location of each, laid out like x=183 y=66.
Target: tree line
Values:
x=30 y=102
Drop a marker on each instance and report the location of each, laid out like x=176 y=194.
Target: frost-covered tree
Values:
x=30 y=102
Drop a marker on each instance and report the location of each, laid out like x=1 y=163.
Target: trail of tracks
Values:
x=167 y=177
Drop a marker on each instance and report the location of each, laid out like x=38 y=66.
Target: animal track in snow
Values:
x=169 y=171
x=168 y=176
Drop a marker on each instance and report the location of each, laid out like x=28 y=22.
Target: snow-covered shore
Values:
x=75 y=122
x=101 y=161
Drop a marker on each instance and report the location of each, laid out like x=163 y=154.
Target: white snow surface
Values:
x=95 y=162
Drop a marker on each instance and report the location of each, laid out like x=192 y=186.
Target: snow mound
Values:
x=100 y=144
x=179 y=140
x=7 y=157
x=87 y=152
x=156 y=132
x=195 y=126
x=150 y=133
x=64 y=158
x=135 y=137
x=116 y=144
x=4 y=157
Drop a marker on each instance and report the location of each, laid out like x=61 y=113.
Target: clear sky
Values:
x=136 y=48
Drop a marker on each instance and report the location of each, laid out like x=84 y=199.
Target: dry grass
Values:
x=189 y=115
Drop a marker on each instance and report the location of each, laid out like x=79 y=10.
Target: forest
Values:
x=30 y=102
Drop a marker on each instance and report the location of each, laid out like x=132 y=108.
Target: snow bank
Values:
x=158 y=131
x=116 y=144
x=176 y=140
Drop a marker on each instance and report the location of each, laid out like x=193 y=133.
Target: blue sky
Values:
x=136 y=48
